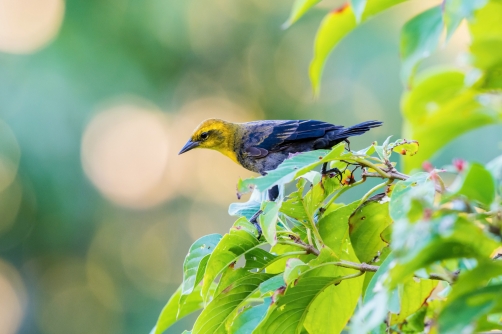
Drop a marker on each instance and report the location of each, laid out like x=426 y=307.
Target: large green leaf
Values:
x=334 y=227
x=173 y=311
x=215 y=317
x=440 y=108
x=334 y=27
x=486 y=46
x=476 y=183
x=300 y=7
x=419 y=38
x=330 y=311
x=366 y=225
x=268 y=221
x=239 y=241
x=196 y=260
x=287 y=314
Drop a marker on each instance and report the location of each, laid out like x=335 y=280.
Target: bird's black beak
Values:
x=188 y=146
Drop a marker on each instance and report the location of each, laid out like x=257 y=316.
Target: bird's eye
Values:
x=204 y=135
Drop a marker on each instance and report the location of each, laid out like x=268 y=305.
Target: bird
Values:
x=261 y=146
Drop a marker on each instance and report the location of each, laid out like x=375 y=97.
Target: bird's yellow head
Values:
x=215 y=134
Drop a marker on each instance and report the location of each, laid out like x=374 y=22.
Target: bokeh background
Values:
x=97 y=211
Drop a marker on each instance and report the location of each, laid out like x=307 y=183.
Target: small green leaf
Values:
x=196 y=260
x=231 y=247
x=294 y=268
x=418 y=187
x=476 y=183
x=283 y=174
x=268 y=221
x=247 y=320
x=405 y=147
x=272 y=284
x=219 y=311
x=365 y=226
x=300 y=7
x=419 y=38
x=413 y=295
x=247 y=209
x=173 y=311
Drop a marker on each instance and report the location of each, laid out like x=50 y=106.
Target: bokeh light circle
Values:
x=13 y=299
x=27 y=25
x=125 y=154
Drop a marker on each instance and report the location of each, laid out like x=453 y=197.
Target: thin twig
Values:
x=375 y=188
x=309 y=248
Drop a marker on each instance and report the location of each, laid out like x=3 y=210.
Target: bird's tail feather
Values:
x=359 y=129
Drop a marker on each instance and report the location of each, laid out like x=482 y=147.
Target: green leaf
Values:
x=366 y=225
x=426 y=242
x=219 y=311
x=268 y=221
x=405 y=147
x=340 y=299
x=231 y=247
x=358 y=8
x=413 y=295
x=376 y=301
x=440 y=108
x=454 y=11
x=196 y=260
x=419 y=38
x=476 y=183
x=486 y=44
x=294 y=268
x=300 y=7
x=272 y=284
x=334 y=227
x=247 y=209
x=173 y=311
x=460 y=313
x=334 y=27
x=287 y=314
x=283 y=174
x=418 y=187
x=247 y=320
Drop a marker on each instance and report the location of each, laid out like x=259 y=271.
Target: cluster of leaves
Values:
x=418 y=257
x=441 y=103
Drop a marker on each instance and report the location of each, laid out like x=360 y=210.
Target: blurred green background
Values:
x=97 y=211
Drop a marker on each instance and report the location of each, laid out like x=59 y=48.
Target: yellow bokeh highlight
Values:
x=125 y=154
x=12 y=299
x=28 y=25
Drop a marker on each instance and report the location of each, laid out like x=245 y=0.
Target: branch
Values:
x=363 y=267
x=299 y=243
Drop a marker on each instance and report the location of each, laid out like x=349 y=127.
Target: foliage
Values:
x=417 y=254
x=435 y=97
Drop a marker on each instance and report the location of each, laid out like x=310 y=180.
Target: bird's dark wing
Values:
x=284 y=132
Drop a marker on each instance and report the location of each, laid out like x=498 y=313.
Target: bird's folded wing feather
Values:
x=280 y=133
